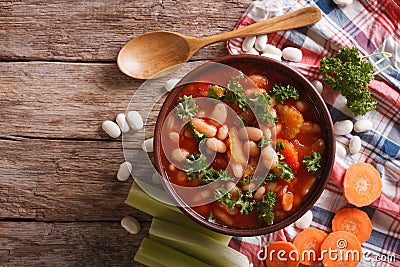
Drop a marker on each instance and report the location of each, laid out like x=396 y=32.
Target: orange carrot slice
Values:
x=281 y=253
x=342 y=249
x=354 y=221
x=362 y=184
x=291 y=154
x=308 y=242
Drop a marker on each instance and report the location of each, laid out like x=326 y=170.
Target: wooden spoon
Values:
x=147 y=54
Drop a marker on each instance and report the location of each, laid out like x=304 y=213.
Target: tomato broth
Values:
x=261 y=159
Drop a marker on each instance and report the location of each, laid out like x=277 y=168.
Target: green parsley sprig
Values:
x=186 y=108
x=265 y=208
x=313 y=162
x=280 y=93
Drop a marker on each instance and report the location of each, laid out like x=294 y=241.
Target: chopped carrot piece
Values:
x=281 y=253
x=259 y=80
x=354 y=221
x=292 y=120
x=362 y=184
x=342 y=249
x=308 y=242
x=291 y=154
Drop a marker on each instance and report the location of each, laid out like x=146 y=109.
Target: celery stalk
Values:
x=154 y=254
x=140 y=200
x=196 y=244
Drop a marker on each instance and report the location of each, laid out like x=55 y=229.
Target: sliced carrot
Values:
x=362 y=184
x=292 y=120
x=342 y=249
x=354 y=221
x=308 y=242
x=291 y=154
x=281 y=253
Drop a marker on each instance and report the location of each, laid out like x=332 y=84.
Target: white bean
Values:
x=362 y=126
x=124 y=171
x=276 y=57
x=340 y=150
x=111 y=128
x=203 y=127
x=220 y=214
x=147 y=145
x=301 y=105
x=318 y=85
x=270 y=158
x=216 y=145
x=248 y=43
x=261 y=42
x=122 y=123
x=135 y=120
x=304 y=221
x=130 y=224
x=258 y=195
x=170 y=84
x=179 y=155
x=222 y=133
x=266 y=131
x=252 y=133
x=292 y=54
x=252 y=51
x=251 y=148
x=219 y=113
x=355 y=145
x=343 y=127
x=343 y=3
x=272 y=50
x=237 y=170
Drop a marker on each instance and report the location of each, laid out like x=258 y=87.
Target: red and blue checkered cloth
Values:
x=371 y=26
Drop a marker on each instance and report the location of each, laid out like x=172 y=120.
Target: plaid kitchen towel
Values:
x=370 y=26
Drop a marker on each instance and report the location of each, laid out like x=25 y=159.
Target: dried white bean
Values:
x=251 y=148
x=248 y=43
x=130 y=224
x=273 y=50
x=124 y=171
x=261 y=42
x=258 y=195
x=170 y=84
x=341 y=151
x=271 y=56
x=252 y=133
x=343 y=127
x=219 y=113
x=269 y=157
x=355 y=145
x=179 y=155
x=292 y=54
x=222 y=133
x=216 y=145
x=147 y=145
x=122 y=123
x=111 y=128
x=135 y=120
x=237 y=170
x=343 y=3
x=304 y=221
x=252 y=51
x=318 y=85
x=362 y=126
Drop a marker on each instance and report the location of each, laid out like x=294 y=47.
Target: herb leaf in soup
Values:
x=313 y=162
x=280 y=93
x=195 y=164
x=216 y=92
x=186 y=108
x=265 y=208
x=235 y=93
x=259 y=104
x=264 y=142
x=285 y=171
x=196 y=134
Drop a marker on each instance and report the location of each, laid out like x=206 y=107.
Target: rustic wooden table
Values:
x=60 y=201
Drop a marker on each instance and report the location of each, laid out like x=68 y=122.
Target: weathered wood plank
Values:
x=62 y=181
x=68 y=244
x=96 y=30
x=65 y=100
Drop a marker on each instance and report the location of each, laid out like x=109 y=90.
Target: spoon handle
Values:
x=299 y=18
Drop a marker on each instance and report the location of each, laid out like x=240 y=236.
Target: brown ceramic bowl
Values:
x=324 y=118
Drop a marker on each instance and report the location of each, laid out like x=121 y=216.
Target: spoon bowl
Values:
x=150 y=53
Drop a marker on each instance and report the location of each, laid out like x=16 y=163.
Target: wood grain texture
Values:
x=96 y=30
x=68 y=244
x=62 y=181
